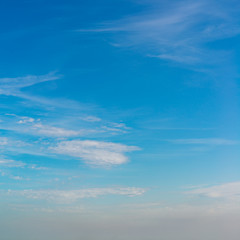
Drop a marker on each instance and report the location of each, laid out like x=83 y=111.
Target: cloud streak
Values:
x=229 y=191
x=176 y=32
x=11 y=163
x=51 y=131
x=204 y=141
x=13 y=86
x=69 y=196
x=95 y=152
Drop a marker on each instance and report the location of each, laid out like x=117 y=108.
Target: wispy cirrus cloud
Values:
x=13 y=86
x=11 y=163
x=95 y=152
x=91 y=119
x=230 y=191
x=35 y=127
x=204 y=141
x=55 y=127
x=176 y=31
x=51 y=131
x=69 y=196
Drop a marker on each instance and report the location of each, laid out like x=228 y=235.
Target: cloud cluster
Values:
x=24 y=120
x=95 y=152
x=32 y=126
x=38 y=126
x=60 y=139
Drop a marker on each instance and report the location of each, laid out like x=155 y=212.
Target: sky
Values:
x=119 y=119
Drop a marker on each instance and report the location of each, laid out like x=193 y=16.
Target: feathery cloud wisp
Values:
x=51 y=131
x=177 y=31
x=229 y=191
x=13 y=86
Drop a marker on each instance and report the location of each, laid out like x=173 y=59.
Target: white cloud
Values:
x=12 y=86
x=11 y=163
x=95 y=152
x=99 y=30
x=229 y=191
x=68 y=196
x=35 y=167
x=176 y=31
x=91 y=119
x=113 y=130
x=54 y=131
x=32 y=126
x=116 y=128
x=17 y=178
x=24 y=120
x=176 y=58
x=204 y=141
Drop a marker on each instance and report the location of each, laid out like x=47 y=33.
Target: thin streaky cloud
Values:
x=99 y=30
x=13 y=86
x=177 y=33
x=11 y=163
x=204 y=141
x=52 y=131
x=69 y=196
x=91 y=119
x=178 y=128
x=55 y=126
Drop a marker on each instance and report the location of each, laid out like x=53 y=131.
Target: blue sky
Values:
x=118 y=111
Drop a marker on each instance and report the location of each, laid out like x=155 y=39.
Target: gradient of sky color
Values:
x=119 y=120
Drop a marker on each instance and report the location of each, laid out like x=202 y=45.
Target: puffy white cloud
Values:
x=68 y=196
x=95 y=152
x=26 y=120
